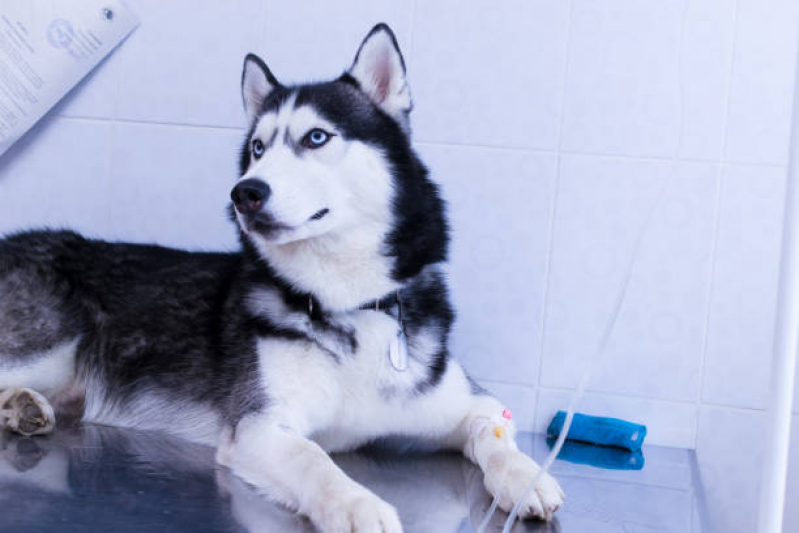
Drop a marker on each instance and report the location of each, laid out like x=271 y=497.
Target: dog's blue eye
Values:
x=316 y=138
x=257 y=148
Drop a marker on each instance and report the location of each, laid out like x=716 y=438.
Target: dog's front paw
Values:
x=542 y=502
x=357 y=511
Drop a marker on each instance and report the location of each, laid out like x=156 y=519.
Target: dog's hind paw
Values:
x=26 y=412
x=543 y=500
x=358 y=511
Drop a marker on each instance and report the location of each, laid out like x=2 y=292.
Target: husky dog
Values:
x=327 y=331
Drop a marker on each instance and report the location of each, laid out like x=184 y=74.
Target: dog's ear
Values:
x=256 y=84
x=380 y=71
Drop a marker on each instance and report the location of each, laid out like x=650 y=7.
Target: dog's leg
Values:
x=26 y=412
x=297 y=472
x=487 y=439
x=471 y=421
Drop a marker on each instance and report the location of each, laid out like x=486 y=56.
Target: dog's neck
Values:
x=342 y=270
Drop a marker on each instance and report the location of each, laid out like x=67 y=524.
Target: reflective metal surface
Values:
x=107 y=479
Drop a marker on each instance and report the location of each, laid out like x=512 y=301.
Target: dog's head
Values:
x=322 y=161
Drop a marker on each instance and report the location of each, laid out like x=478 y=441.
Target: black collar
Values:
x=385 y=303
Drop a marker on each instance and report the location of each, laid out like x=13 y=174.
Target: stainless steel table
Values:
x=115 y=480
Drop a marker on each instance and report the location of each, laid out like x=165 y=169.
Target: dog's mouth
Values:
x=266 y=225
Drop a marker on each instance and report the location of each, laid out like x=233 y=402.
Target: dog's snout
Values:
x=250 y=195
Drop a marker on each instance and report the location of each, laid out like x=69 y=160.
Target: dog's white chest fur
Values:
x=346 y=401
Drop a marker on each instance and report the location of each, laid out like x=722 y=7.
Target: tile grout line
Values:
x=618 y=395
x=110 y=174
x=522 y=384
x=412 y=41
x=653 y=399
x=676 y=161
x=116 y=82
x=716 y=223
x=607 y=155
x=265 y=27
x=125 y=121
x=545 y=151
x=553 y=214
x=626 y=396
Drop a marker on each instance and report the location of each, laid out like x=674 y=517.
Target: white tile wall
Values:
x=490 y=74
x=744 y=290
x=602 y=204
x=707 y=51
x=792 y=489
x=762 y=81
x=181 y=66
x=730 y=450
x=317 y=39
x=623 y=84
x=57 y=177
x=500 y=204
x=522 y=400
x=94 y=95
x=731 y=447
x=168 y=186
x=162 y=81
x=550 y=125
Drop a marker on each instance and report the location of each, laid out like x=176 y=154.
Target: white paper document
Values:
x=46 y=47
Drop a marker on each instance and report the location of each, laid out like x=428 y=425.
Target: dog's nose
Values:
x=249 y=195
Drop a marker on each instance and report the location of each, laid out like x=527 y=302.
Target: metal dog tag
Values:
x=398 y=351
